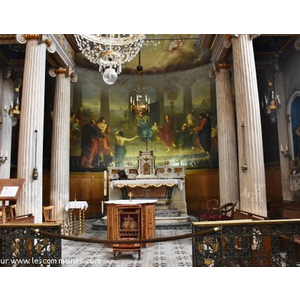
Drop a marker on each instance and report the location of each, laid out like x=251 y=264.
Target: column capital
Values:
x=8 y=73
x=217 y=66
x=67 y=71
x=225 y=65
x=227 y=40
x=252 y=36
x=41 y=38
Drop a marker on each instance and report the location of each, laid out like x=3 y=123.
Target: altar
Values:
x=164 y=183
x=147 y=188
x=170 y=189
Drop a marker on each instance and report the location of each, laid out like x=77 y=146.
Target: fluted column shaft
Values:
x=30 y=149
x=227 y=145
x=60 y=149
x=6 y=99
x=251 y=162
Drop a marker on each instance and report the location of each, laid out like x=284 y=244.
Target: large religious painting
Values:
x=180 y=128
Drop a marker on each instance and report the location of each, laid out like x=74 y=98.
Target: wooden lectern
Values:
x=9 y=191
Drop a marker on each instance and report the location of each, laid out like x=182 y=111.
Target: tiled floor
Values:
x=177 y=253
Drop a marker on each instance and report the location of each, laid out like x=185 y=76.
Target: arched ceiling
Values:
x=161 y=53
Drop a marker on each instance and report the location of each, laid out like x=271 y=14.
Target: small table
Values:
x=76 y=208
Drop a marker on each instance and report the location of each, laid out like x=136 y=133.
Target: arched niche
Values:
x=293 y=112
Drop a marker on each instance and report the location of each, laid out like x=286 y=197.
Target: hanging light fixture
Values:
x=109 y=51
x=14 y=109
x=270 y=103
x=139 y=102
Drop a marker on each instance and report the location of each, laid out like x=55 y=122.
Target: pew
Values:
x=291 y=213
x=242 y=215
x=29 y=218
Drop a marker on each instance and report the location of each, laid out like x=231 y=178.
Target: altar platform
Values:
x=177 y=253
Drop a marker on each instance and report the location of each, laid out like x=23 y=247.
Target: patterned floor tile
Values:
x=176 y=253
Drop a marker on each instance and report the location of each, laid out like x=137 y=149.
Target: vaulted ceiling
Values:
x=161 y=53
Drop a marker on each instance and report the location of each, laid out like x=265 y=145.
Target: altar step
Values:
x=163 y=219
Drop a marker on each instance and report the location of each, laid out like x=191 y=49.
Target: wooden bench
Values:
x=242 y=214
x=29 y=218
x=291 y=213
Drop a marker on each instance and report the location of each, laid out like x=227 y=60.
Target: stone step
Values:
x=182 y=219
x=162 y=207
x=167 y=213
x=160 y=223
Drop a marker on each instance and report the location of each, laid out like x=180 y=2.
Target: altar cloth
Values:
x=145 y=183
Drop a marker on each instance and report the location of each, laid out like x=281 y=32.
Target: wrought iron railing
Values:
x=246 y=243
x=22 y=245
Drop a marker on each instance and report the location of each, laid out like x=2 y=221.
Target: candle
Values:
x=286 y=147
x=281 y=148
x=278 y=100
x=102 y=208
x=6 y=153
x=105 y=183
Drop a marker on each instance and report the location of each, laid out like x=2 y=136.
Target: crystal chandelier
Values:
x=110 y=51
x=139 y=102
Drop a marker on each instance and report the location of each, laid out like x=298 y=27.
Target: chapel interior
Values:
x=193 y=131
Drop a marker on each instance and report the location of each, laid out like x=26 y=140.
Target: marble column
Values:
x=30 y=151
x=60 y=148
x=250 y=145
x=6 y=99
x=227 y=145
x=283 y=137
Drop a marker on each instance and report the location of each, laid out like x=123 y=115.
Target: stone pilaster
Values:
x=227 y=146
x=30 y=152
x=6 y=99
x=251 y=161
x=60 y=149
x=283 y=137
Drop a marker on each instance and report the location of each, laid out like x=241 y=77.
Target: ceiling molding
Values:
x=6 y=39
x=64 y=54
x=221 y=50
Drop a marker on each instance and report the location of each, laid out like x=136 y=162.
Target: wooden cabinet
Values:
x=130 y=221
